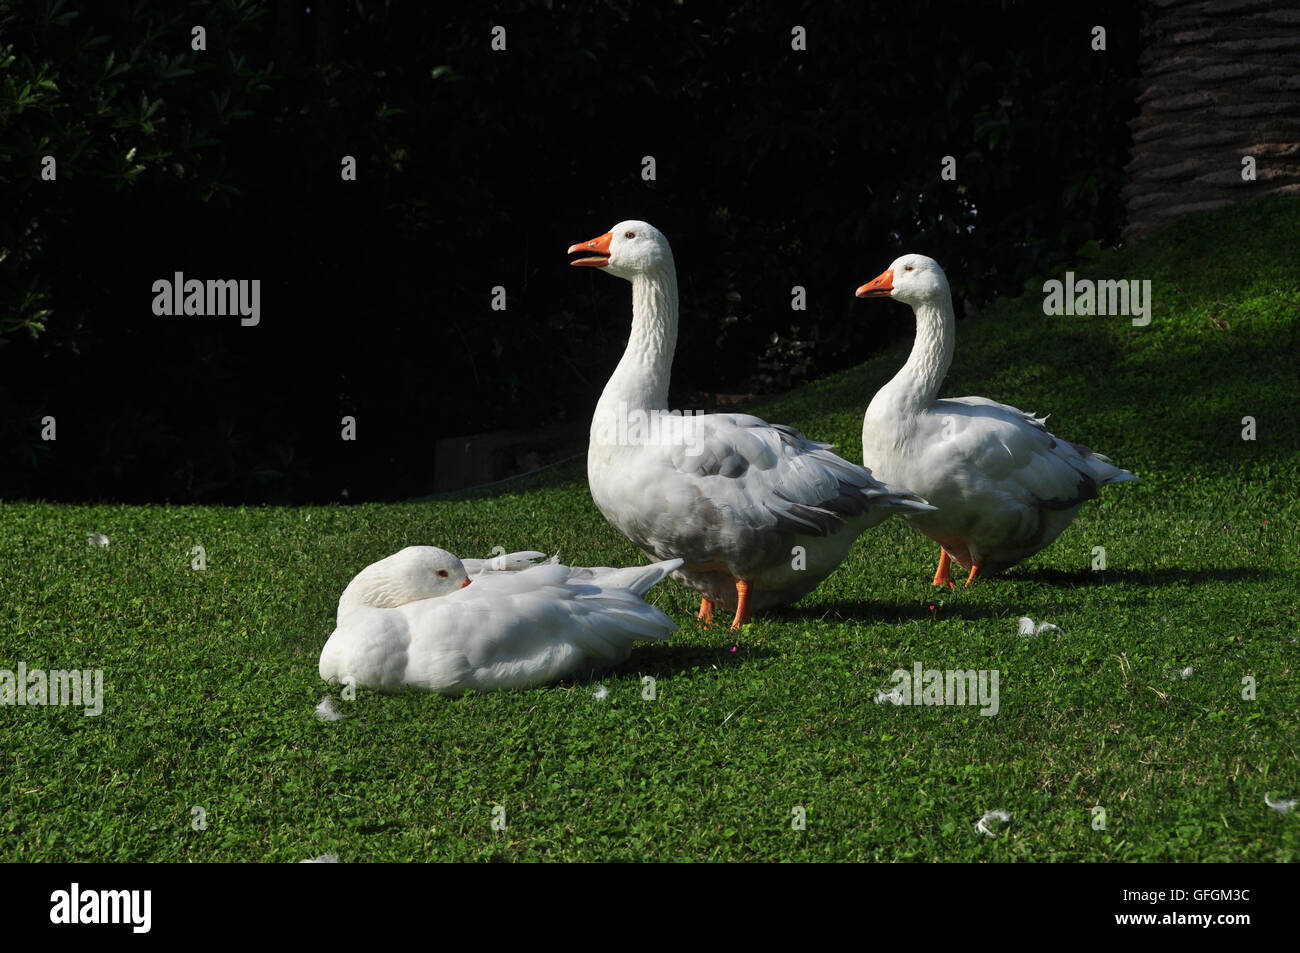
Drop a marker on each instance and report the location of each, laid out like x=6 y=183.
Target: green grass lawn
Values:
x=210 y=676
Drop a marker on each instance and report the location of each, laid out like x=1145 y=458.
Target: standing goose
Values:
x=1004 y=487
x=416 y=619
x=760 y=514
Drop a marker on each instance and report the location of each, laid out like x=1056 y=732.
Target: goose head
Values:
x=411 y=574
x=628 y=249
x=430 y=570
x=912 y=279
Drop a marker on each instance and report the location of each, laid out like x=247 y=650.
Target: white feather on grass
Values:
x=1281 y=805
x=326 y=711
x=601 y=693
x=322 y=859
x=1027 y=627
x=895 y=695
x=982 y=825
x=97 y=539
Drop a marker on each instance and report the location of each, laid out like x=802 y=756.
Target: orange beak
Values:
x=466 y=583
x=879 y=287
x=600 y=245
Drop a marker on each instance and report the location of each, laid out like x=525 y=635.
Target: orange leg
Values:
x=742 y=604
x=974 y=571
x=706 y=612
x=943 y=575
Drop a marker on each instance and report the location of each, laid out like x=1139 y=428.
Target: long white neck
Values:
x=917 y=384
x=640 y=382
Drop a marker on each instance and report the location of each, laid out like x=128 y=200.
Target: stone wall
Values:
x=1220 y=81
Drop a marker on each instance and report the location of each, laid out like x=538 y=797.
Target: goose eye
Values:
x=907 y=268
x=442 y=573
x=629 y=234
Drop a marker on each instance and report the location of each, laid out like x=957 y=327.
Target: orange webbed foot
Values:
x=943 y=575
x=706 y=612
x=742 y=604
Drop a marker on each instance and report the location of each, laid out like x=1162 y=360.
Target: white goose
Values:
x=760 y=514
x=414 y=620
x=420 y=572
x=1003 y=485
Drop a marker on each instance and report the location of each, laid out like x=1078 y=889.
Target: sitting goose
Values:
x=415 y=620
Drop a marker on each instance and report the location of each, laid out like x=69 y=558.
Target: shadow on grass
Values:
x=662 y=659
x=1079 y=578
x=890 y=612
x=1064 y=580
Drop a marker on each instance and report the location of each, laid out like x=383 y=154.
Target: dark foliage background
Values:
x=478 y=168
